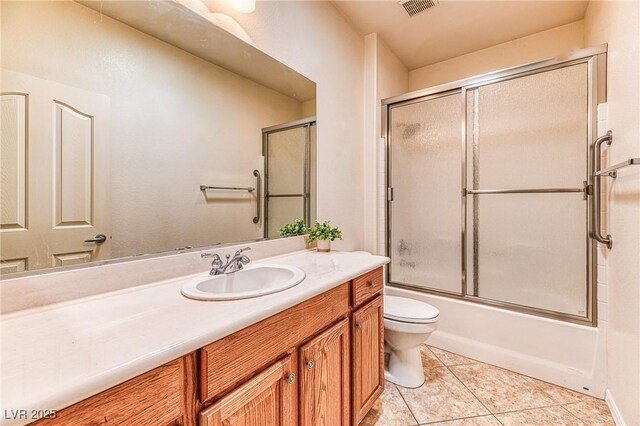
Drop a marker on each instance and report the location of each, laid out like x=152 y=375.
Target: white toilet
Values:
x=408 y=323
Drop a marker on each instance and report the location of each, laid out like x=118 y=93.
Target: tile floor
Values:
x=463 y=392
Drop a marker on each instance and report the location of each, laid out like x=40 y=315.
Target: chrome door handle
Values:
x=98 y=239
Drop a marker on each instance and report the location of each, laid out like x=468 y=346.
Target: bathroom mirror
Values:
x=142 y=127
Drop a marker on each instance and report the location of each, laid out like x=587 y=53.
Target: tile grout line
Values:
x=460 y=418
x=405 y=404
x=471 y=392
x=573 y=415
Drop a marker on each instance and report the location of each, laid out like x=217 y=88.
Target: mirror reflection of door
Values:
x=54 y=187
x=290 y=177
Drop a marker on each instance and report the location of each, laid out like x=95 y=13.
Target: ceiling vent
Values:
x=413 y=7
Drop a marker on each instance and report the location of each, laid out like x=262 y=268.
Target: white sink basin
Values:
x=252 y=281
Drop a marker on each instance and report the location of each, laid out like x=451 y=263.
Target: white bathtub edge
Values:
x=522 y=343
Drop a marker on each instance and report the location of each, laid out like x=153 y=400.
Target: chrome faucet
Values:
x=235 y=264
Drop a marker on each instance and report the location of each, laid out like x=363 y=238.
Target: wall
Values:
x=385 y=76
x=176 y=122
x=535 y=47
x=315 y=40
x=618 y=24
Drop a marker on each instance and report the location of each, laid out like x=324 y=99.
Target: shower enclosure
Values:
x=489 y=184
x=290 y=178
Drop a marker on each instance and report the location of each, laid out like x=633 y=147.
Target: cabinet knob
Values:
x=371 y=283
x=309 y=364
x=291 y=378
x=358 y=325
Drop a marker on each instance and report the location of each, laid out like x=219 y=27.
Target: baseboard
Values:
x=615 y=413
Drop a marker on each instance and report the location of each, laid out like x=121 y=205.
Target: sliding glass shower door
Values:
x=424 y=240
x=526 y=208
x=489 y=190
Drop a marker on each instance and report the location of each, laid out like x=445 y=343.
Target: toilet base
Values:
x=405 y=368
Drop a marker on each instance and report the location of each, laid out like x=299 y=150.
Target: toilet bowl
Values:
x=408 y=323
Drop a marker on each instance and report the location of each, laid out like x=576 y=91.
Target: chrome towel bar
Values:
x=612 y=171
x=227 y=188
x=523 y=191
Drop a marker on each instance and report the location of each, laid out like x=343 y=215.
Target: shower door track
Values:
x=595 y=58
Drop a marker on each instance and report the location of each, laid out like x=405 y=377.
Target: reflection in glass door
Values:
x=489 y=189
x=289 y=177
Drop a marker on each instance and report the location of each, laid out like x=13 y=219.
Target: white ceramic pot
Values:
x=324 y=245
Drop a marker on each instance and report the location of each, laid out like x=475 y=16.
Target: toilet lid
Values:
x=403 y=309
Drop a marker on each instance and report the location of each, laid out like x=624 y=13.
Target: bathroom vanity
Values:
x=318 y=361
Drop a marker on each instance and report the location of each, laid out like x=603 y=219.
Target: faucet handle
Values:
x=216 y=262
x=239 y=252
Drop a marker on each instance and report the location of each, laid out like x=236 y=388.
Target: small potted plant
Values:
x=323 y=234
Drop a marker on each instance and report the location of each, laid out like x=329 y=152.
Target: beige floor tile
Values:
x=556 y=416
x=429 y=359
x=526 y=392
x=442 y=397
x=559 y=394
x=502 y=390
x=389 y=410
x=449 y=358
x=592 y=412
x=473 y=421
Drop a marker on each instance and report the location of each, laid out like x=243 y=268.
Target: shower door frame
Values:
x=306 y=195
x=595 y=58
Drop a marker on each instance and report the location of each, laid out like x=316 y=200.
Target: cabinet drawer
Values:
x=366 y=286
x=163 y=396
x=232 y=360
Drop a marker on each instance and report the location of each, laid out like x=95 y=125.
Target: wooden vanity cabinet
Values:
x=325 y=378
x=318 y=363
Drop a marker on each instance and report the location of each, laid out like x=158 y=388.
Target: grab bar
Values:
x=595 y=231
x=256 y=218
x=228 y=188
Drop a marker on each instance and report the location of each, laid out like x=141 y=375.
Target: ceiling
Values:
x=455 y=27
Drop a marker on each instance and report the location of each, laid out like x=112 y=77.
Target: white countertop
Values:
x=61 y=354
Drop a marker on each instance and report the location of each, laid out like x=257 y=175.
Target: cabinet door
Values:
x=368 y=357
x=269 y=399
x=324 y=375
x=163 y=396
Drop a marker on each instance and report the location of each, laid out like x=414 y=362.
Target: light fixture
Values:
x=243 y=6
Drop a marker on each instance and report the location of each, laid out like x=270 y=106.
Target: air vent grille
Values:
x=413 y=7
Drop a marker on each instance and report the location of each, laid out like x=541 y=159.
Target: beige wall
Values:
x=315 y=40
x=539 y=46
x=618 y=24
x=385 y=76
x=176 y=122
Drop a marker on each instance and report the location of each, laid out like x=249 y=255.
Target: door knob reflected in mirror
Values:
x=98 y=239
